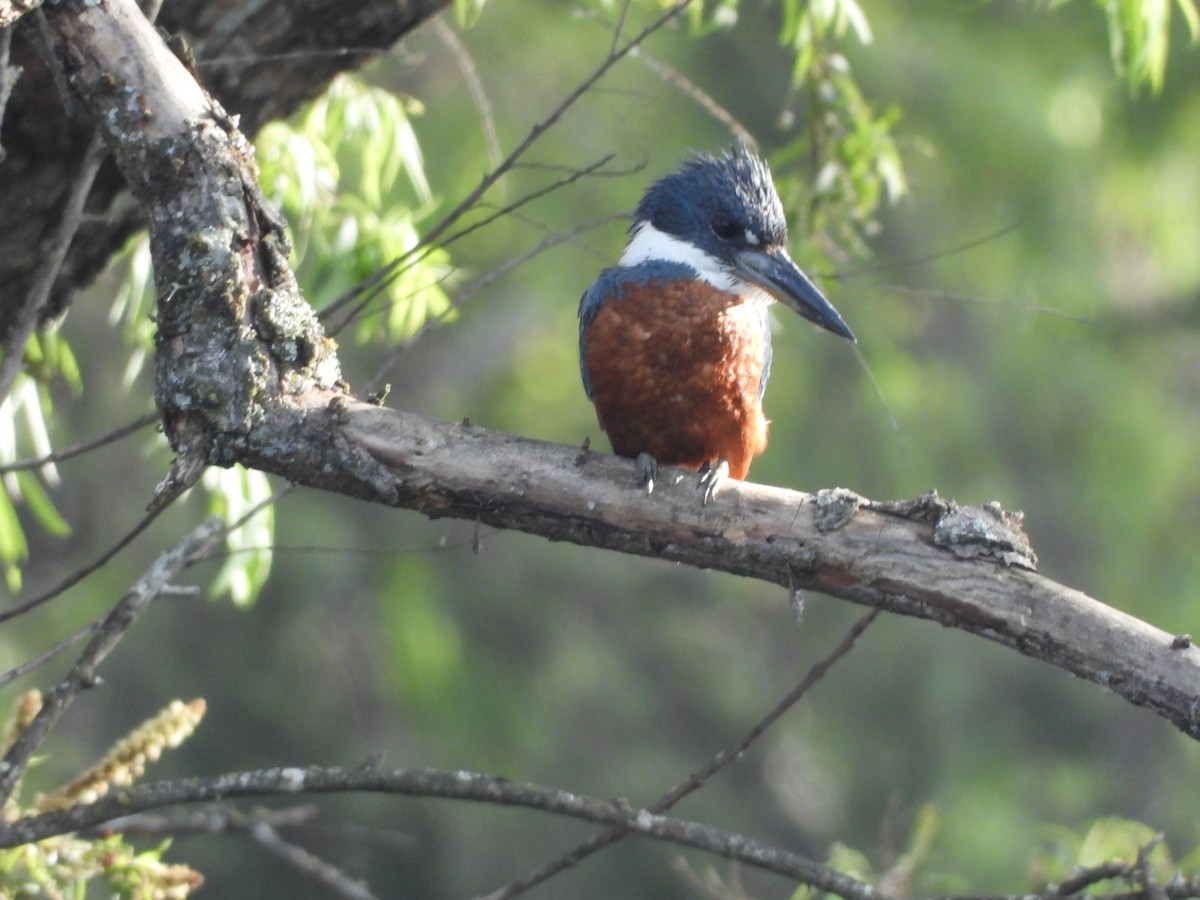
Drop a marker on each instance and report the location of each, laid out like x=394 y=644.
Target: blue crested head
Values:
x=719 y=204
x=722 y=215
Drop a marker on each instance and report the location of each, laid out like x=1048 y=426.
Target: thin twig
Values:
x=572 y=176
x=79 y=449
x=30 y=314
x=332 y=550
x=308 y=864
x=689 y=88
x=114 y=627
x=84 y=571
x=536 y=132
x=430 y=238
x=1141 y=873
x=212 y=819
x=956 y=297
x=701 y=775
x=376 y=283
x=52 y=651
x=483 y=281
x=171 y=590
x=479 y=97
x=910 y=262
x=261 y=824
x=619 y=27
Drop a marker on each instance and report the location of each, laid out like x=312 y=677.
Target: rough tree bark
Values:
x=260 y=60
x=245 y=375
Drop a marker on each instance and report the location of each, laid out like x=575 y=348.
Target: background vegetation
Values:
x=1027 y=308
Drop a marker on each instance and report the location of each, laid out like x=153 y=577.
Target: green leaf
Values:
x=39 y=503
x=850 y=862
x=808 y=25
x=1140 y=36
x=468 y=11
x=232 y=493
x=13 y=546
x=1121 y=839
x=350 y=175
x=133 y=303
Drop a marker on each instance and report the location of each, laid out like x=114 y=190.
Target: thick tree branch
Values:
x=233 y=332
x=245 y=375
x=895 y=560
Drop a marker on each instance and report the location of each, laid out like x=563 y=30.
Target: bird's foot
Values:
x=647 y=471
x=712 y=475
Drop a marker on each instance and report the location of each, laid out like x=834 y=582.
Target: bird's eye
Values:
x=727 y=229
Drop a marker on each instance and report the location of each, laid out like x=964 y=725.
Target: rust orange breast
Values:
x=676 y=371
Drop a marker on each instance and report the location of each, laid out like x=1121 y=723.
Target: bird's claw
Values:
x=712 y=475
x=647 y=471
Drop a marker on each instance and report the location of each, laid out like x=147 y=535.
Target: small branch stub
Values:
x=986 y=532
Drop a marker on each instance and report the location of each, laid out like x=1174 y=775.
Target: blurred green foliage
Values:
x=1008 y=227
x=1140 y=35
x=336 y=174
x=24 y=430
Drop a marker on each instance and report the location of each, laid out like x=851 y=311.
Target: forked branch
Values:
x=251 y=405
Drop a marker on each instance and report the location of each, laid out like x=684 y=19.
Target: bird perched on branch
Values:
x=674 y=344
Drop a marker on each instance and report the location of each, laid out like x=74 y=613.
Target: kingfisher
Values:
x=674 y=342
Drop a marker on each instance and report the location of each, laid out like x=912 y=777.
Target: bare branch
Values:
x=116 y=624
x=913 y=559
x=702 y=98
x=52 y=651
x=262 y=825
x=296 y=781
x=81 y=448
x=432 y=238
x=881 y=555
x=215 y=818
x=313 y=867
x=237 y=386
x=84 y=571
x=698 y=778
